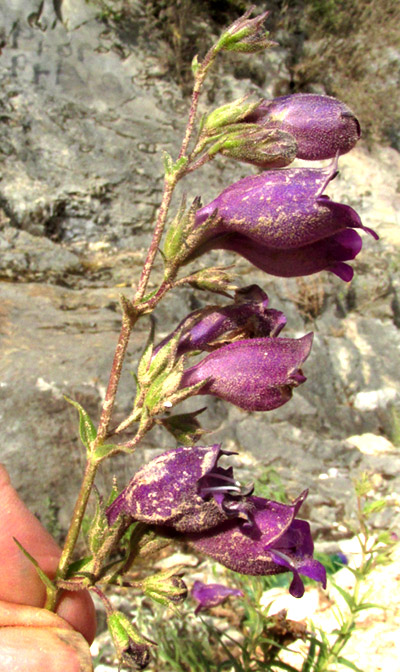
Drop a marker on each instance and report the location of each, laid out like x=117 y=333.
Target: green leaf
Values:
x=374 y=507
x=87 y=429
x=346 y=596
x=348 y=663
x=368 y=605
x=47 y=582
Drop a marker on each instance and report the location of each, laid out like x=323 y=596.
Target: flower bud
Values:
x=322 y=125
x=214 y=279
x=255 y=374
x=283 y=223
x=245 y=35
x=165 y=588
x=133 y=650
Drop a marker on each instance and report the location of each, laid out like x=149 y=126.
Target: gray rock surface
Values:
x=84 y=117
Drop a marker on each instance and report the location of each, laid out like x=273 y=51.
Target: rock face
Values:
x=84 y=117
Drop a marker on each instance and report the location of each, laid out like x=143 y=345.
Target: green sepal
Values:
x=166 y=588
x=214 y=279
x=168 y=163
x=50 y=586
x=374 y=507
x=145 y=359
x=87 y=430
x=230 y=113
x=131 y=646
x=195 y=65
x=98 y=526
x=163 y=388
x=80 y=567
x=187 y=392
x=175 y=243
x=103 y=451
x=185 y=428
x=171 y=167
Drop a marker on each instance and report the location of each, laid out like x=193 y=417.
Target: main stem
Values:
x=75 y=526
x=129 y=319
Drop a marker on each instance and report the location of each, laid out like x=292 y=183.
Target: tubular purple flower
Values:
x=209 y=595
x=175 y=490
x=256 y=375
x=281 y=221
x=247 y=317
x=322 y=125
x=275 y=542
x=184 y=491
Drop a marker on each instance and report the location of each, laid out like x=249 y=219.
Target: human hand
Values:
x=33 y=639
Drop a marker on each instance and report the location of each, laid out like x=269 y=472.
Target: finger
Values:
x=12 y=615
x=19 y=581
x=35 y=649
x=77 y=608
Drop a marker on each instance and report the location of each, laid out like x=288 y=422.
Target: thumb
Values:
x=19 y=581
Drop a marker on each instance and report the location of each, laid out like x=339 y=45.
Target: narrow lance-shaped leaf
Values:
x=87 y=430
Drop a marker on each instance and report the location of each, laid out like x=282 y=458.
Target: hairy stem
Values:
x=115 y=374
x=74 y=529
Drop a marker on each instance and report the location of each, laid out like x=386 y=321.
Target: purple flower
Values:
x=322 y=126
x=283 y=223
x=256 y=375
x=174 y=490
x=211 y=594
x=275 y=542
x=185 y=491
x=247 y=317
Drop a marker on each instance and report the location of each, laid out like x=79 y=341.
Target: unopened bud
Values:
x=133 y=650
x=323 y=126
x=215 y=279
x=165 y=588
x=246 y=35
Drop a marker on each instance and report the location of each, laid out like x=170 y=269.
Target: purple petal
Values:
x=278 y=208
x=165 y=491
x=322 y=255
x=212 y=594
x=248 y=317
x=256 y=375
x=276 y=542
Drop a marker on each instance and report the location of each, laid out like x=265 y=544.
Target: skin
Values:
x=32 y=639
